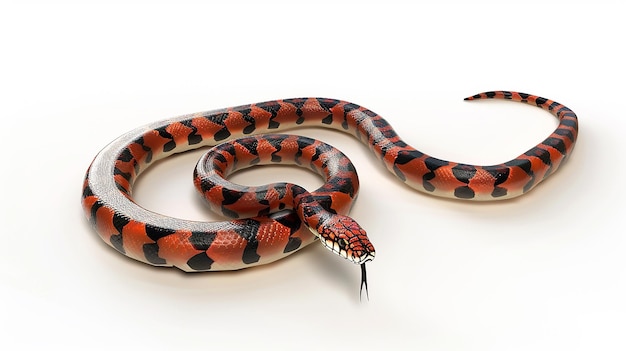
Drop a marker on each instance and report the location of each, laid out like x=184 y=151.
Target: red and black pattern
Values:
x=323 y=210
x=243 y=242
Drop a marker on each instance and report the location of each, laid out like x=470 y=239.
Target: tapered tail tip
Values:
x=473 y=97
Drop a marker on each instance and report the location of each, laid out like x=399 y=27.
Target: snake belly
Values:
x=244 y=242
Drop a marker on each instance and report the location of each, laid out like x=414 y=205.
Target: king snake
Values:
x=268 y=220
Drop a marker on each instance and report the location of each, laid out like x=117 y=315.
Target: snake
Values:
x=270 y=222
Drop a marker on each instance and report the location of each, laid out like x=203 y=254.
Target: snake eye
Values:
x=343 y=243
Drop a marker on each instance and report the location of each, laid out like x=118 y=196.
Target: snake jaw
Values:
x=369 y=256
x=355 y=256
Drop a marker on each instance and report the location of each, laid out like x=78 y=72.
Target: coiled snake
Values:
x=268 y=220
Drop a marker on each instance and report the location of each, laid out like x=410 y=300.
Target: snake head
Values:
x=345 y=237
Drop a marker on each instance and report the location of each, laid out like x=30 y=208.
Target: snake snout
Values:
x=364 y=256
x=367 y=257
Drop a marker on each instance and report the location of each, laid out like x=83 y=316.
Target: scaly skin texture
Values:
x=198 y=246
x=323 y=210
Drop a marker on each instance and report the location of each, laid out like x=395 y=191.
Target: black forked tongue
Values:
x=363 y=283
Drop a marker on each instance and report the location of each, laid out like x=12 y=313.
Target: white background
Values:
x=546 y=271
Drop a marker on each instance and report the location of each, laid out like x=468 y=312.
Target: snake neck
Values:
x=310 y=211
